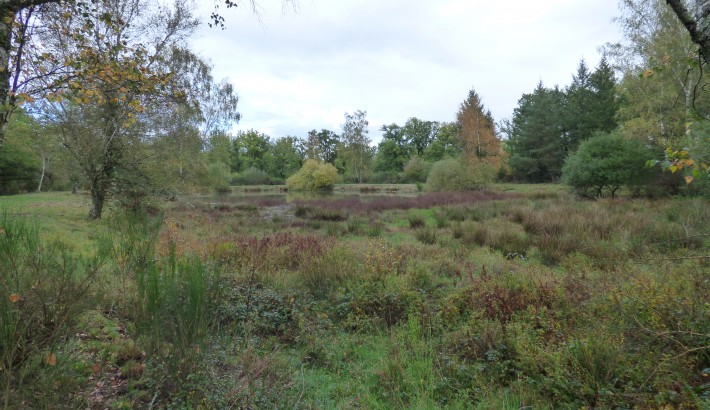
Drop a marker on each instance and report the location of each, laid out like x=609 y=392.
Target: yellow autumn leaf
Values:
x=673 y=168
x=647 y=73
x=688 y=179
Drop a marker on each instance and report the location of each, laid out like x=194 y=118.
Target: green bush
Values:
x=416 y=170
x=604 y=164
x=253 y=176
x=218 y=177
x=453 y=175
x=313 y=176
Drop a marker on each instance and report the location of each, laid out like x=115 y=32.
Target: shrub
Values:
x=507 y=237
x=453 y=175
x=416 y=170
x=426 y=235
x=367 y=305
x=313 y=176
x=218 y=177
x=441 y=220
x=44 y=288
x=416 y=221
x=385 y=177
x=604 y=164
x=253 y=176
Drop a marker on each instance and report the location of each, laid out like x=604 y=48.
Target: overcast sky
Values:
x=395 y=59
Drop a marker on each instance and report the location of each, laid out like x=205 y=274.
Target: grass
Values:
x=58 y=214
x=523 y=299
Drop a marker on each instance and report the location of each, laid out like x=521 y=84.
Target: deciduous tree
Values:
x=446 y=143
x=394 y=150
x=249 y=150
x=20 y=52
x=420 y=134
x=356 y=153
x=697 y=24
x=477 y=134
x=322 y=145
x=285 y=157
x=100 y=111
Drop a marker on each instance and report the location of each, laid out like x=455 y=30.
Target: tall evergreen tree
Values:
x=606 y=103
x=590 y=104
x=579 y=124
x=536 y=139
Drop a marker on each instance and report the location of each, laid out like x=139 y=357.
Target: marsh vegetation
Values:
x=484 y=299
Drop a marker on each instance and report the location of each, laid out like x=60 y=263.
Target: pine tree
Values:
x=590 y=104
x=579 y=124
x=605 y=103
x=536 y=141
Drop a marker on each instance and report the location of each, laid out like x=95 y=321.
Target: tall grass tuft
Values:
x=44 y=287
x=170 y=301
x=416 y=221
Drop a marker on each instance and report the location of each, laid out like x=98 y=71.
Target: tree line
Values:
x=107 y=96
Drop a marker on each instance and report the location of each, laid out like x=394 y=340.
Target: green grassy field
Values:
x=521 y=298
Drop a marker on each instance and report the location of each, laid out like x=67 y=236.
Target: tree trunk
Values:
x=97 y=203
x=703 y=16
x=41 y=177
x=698 y=25
x=7 y=10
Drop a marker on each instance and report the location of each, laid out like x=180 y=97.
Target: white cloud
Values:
x=398 y=59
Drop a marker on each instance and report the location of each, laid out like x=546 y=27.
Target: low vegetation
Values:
x=442 y=300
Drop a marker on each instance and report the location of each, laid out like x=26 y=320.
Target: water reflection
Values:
x=278 y=196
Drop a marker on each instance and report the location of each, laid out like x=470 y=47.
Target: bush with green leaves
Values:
x=218 y=177
x=452 y=174
x=253 y=176
x=605 y=163
x=416 y=170
x=313 y=176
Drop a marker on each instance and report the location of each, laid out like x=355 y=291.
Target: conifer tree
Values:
x=477 y=133
x=536 y=141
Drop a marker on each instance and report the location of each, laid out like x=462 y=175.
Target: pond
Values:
x=278 y=195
